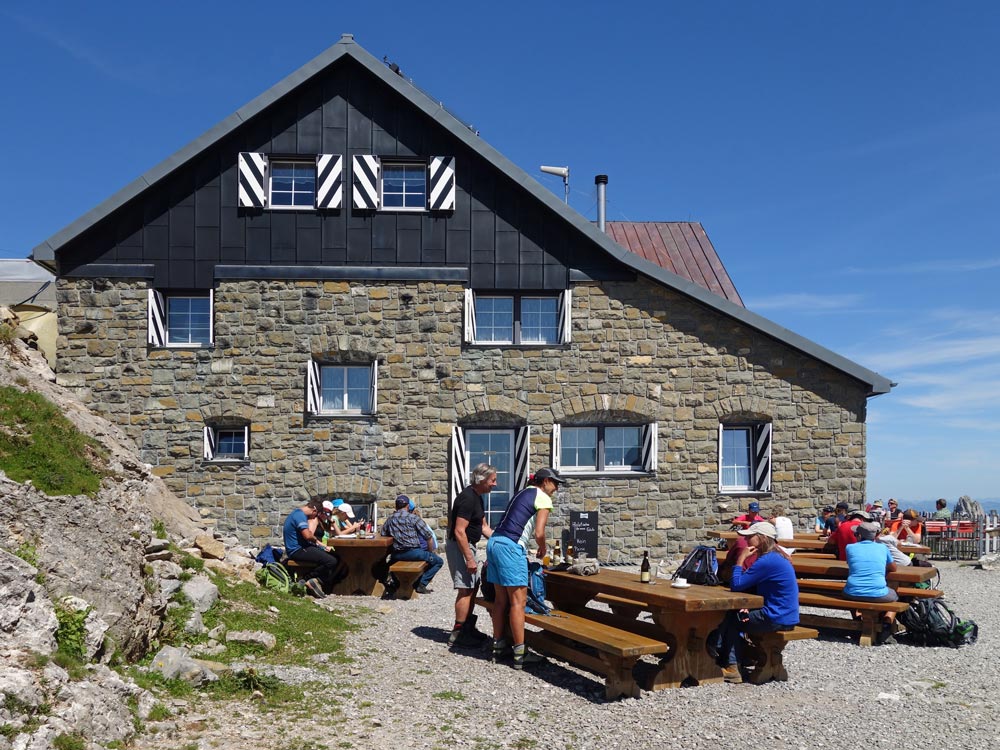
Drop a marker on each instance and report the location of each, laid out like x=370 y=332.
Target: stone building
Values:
x=342 y=291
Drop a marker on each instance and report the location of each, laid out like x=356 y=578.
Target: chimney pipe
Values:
x=601 y=181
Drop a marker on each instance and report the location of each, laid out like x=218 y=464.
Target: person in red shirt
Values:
x=751 y=516
x=844 y=535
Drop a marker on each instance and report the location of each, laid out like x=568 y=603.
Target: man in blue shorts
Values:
x=507 y=561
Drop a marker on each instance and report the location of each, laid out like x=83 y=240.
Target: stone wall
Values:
x=639 y=351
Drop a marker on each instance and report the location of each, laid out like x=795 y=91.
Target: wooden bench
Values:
x=407 y=573
x=837 y=587
x=767 y=650
x=617 y=650
x=299 y=570
x=868 y=626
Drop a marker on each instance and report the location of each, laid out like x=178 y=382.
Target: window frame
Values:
x=158 y=318
x=273 y=164
x=211 y=440
x=759 y=441
x=563 y=299
x=314 y=390
x=601 y=468
x=386 y=165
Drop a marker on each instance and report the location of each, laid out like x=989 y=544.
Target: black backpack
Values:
x=931 y=622
x=700 y=567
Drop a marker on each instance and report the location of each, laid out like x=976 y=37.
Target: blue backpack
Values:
x=536 y=590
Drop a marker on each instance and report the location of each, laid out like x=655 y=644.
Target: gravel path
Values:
x=406 y=689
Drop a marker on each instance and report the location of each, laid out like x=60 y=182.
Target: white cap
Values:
x=763 y=528
x=346 y=509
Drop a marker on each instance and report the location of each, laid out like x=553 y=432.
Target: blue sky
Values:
x=843 y=157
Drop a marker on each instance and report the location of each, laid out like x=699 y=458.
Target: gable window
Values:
x=404 y=186
x=604 y=448
x=336 y=389
x=517 y=319
x=182 y=319
x=226 y=443
x=292 y=184
x=745 y=457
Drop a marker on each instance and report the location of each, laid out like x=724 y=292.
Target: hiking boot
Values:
x=501 y=650
x=469 y=630
x=731 y=674
x=524 y=658
x=315 y=588
x=463 y=639
x=421 y=589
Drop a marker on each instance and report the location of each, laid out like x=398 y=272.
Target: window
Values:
x=293 y=184
x=404 y=186
x=745 y=458
x=604 y=448
x=505 y=448
x=227 y=443
x=342 y=389
x=518 y=319
x=180 y=320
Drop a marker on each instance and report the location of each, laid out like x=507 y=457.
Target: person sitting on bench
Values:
x=772 y=577
x=302 y=546
x=867 y=564
x=406 y=530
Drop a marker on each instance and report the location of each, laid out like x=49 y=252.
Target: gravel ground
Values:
x=406 y=689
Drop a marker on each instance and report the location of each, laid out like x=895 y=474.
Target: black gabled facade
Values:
x=190 y=222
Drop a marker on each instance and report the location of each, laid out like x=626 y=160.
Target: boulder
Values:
x=27 y=617
x=210 y=547
x=260 y=637
x=157 y=545
x=989 y=562
x=202 y=592
x=175 y=663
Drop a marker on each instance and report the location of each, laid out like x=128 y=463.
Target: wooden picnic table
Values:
x=366 y=562
x=812 y=567
x=683 y=618
x=805 y=542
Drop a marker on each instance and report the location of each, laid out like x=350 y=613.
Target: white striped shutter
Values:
x=156 y=334
x=209 y=448
x=211 y=316
x=556 y=447
x=374 y=388
x=329 y=181
x=442 y=184
x=522 y=457
x=469 y=330
x=253 y=180
x=313 y=402
x=565 y=316
x=364 y=182
x=246 y=442
x=459 y=463
x=650 y=446
x=762 y=457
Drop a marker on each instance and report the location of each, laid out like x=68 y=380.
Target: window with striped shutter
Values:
x=252 y=180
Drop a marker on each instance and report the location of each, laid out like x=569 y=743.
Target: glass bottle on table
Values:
x=557 y=554
x=570 y=556
x=644 y=574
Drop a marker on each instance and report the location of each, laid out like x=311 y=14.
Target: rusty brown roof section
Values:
x=681 y=247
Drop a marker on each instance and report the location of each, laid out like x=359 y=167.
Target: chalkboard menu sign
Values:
x=583 y=531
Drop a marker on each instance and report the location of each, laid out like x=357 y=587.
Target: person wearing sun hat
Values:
x=772 y=577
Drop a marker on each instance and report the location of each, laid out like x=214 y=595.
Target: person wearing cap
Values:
x=406 y=530
x=302 y=546
x=344 y=523
x=431 y=544
x=467 y=524
x=844 y=535
x=826 y=523
x=841 y=512
x=773 y=578
x=867 y=565
x=507 y=562
x=322 y=523
x=751 y=516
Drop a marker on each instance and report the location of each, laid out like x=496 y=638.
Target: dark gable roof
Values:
x=44 y=253
x=681 y=247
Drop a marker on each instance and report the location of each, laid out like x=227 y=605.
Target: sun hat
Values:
x=761 y=527
x=346 y=509
x=862 y=514
x=878 y=504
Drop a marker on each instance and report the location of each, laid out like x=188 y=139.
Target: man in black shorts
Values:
x=466 y=526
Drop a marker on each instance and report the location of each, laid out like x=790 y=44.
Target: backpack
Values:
x=700 y=567
x=270 y=555
x=931 y=622
x=275 y=576
x=535 y=603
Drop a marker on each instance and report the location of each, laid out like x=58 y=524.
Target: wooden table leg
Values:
x=687 y=662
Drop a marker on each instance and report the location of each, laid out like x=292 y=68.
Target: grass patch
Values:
x=69 y=742
x=188 y=561
x=300 y=628
x=159 y=529
x=525 y=743
x=157 y=683
x=38 y=443
x=159 y=712
x=71 y=634
x=449 y=695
